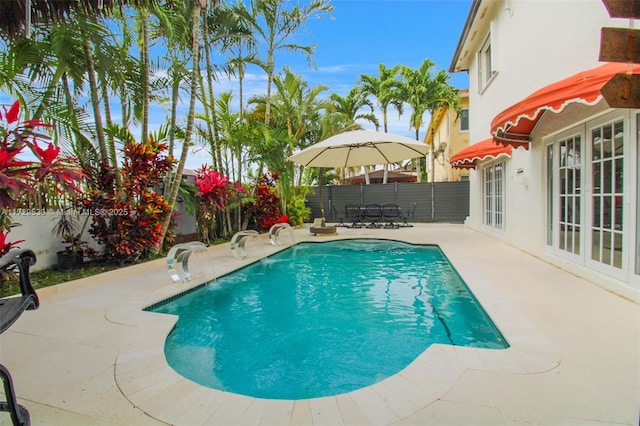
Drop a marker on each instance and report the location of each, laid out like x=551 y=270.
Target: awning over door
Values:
x=514 y=125
x=483 y=150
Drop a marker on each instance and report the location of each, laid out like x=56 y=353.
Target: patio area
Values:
x=91 y=356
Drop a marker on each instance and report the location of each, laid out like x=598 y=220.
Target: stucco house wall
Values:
x=447 y=131
x=533 y=43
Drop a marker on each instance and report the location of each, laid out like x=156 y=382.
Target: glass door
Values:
x=607 y=194
x=607 y=213
x=569 y=195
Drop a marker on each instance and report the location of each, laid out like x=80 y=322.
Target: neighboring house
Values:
x=449 y=133
x=377 y=176
x=563 y=185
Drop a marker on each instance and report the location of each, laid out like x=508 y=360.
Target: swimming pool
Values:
x=320 y=319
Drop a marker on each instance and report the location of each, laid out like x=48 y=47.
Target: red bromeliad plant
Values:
x=128 y=221
x=213 y=187
x=264 y=212
x=21 y=177
x=214 y=191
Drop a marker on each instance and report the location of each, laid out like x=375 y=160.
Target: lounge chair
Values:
x=391 y=215
x=373 y=214
x=409 y=214
x=353 y=214
x=10 y=310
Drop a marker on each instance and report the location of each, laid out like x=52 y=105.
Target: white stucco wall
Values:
x=35 y=229
x=535 y=43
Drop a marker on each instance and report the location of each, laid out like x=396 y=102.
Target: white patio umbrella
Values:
x=359 y=148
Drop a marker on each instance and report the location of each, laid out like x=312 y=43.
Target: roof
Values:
x=479 y=17
x=377 y=176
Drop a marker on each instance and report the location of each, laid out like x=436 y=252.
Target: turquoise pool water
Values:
x=321 y=319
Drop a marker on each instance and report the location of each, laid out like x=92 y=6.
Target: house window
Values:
x=486 y=64
x=493 y=188
x=464 y=120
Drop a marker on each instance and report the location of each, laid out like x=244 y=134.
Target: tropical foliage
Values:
x=127 y=219
x=98 y=79
x=264 y=211
x=20 y=180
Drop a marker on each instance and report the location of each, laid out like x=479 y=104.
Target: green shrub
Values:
x=297 y=210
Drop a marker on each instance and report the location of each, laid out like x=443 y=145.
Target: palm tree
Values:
x=427 y=93
x=350 y=107
x=13 y=19
x=174 y=184
x=296 y=110
x=225 y=27
x=275 y=29
x=386 y=89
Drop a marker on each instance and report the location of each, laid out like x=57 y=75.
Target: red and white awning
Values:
x=514 y=125
x=484 y=150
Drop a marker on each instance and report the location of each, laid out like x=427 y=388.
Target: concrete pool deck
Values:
x=91 y=356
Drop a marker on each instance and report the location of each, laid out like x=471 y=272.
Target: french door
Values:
x=593 y=210
x=607 y=171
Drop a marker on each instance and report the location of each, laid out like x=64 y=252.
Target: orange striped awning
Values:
x=484 y=150
x=514 y=125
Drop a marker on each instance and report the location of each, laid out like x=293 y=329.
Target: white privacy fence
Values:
x=36 y=229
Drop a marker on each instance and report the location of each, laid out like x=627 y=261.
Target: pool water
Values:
x=320 y=319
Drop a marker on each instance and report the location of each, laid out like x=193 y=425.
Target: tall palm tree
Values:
x=174 y=183
x=224 y=29
x=386 y=89
x=350 y=107
x=426 y=92
x=275 y=25
x=13 y=20
x=297 y=110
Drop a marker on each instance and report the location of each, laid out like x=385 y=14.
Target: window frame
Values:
x=494 y=193
x=461 y=119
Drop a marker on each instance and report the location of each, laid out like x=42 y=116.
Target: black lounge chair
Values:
x=353 y=214
x=10 y=310
x=409 y=214
x=391 y=215
x=373 y=214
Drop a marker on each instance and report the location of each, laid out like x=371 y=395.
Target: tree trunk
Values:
x=195 y=59
x=95 y=101
x=144 y=57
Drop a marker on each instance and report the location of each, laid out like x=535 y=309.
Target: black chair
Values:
x=391 y=215
x=18 y=261
x=353 y=214
x=409 y=214
x=373 y=214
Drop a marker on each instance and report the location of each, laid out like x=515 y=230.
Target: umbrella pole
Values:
x=320 y=171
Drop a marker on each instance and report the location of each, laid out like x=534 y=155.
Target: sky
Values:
x=357 y=37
